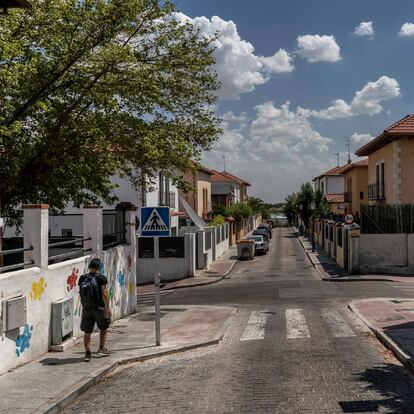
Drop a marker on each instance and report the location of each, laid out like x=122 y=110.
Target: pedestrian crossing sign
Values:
x=155 y=221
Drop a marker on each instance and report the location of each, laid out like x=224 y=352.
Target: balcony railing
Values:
x=376 y=191
x=348 y=197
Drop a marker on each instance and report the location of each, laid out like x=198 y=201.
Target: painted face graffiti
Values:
x=71 y=281
x=130 y=288
x=23 y=340
x=129 y=263
x=38 y=288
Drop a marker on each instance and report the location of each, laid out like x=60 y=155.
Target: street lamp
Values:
x=13 y=4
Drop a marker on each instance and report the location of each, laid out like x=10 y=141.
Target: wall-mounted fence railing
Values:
x=15 y=266
x=75 y=250
x=114 y=229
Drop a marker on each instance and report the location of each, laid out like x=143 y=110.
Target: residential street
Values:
x=292 y=347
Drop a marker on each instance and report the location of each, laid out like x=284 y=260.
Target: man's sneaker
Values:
x=88 y=356
x=103 y=351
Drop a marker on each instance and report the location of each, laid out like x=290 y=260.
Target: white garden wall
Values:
x=59 y=281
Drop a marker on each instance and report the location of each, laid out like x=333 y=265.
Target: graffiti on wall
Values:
x=23 y=340
x=38 y=288
x=72 y=279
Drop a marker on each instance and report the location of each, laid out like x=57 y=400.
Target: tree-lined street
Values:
x=293 y=346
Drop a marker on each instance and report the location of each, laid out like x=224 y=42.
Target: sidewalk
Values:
x=392 y=321
x=53 y=381
x=217 y=271
x=329 y=270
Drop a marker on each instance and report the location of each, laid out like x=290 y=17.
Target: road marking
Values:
x=296 y=326
x=404 y=286
x=255 y=327
x=336 y=324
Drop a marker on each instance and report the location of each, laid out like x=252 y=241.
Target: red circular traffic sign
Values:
x=349 y=218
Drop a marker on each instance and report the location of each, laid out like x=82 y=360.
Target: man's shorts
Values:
x=90 y=316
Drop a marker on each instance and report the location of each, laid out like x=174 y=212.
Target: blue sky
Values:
x=287 y=112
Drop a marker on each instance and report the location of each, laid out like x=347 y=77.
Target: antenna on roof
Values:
x=224 y=162
x=337 y=154
x=348 y=145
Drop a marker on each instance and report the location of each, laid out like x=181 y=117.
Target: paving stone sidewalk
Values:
x=51 y=382
x=329 y=270
x=217 y=271
x=392 y=321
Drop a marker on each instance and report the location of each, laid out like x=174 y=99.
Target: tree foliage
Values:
x=97 y=87
x=239 y=211
x=259 y=207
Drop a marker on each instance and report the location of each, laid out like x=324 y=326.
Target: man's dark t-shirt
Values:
x=102 y=281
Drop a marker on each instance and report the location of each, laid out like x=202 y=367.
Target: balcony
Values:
x=348 y=197
x=376 y=192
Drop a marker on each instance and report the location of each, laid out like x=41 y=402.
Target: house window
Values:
x=205 y=200
x=67 y=233
x=323 y=187
x=380 y=182
x=361 y=195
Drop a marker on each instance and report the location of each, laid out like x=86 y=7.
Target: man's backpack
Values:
x=89 y=292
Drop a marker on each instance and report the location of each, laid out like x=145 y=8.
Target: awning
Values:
x=196 y=219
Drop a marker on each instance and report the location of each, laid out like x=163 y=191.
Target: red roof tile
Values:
x=237 y=179
x=332 y=172
x=401 y=128
x=225 y=177
x=357 y=164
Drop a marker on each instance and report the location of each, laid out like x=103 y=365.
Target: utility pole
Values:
x=348 y=145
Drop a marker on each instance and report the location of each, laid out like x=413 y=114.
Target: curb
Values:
x=401 y=355
x=65 y=398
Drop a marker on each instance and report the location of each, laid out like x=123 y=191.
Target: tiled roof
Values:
x=334 y=198
x=357 y=164
x=235 y=178
x=404 y=127
x=225 y=177
x=332 y=172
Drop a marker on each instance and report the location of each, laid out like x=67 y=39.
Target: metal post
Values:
x=313 y=236
x=157 y=281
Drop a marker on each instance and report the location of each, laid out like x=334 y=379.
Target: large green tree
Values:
x=90 y=88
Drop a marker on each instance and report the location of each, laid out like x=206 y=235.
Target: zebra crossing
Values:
x=406 y=288
x=147 y=299
x=296 y=324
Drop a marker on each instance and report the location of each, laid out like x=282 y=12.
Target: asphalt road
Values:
x=292 y=347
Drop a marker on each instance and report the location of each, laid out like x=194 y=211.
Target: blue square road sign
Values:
x=155 y=221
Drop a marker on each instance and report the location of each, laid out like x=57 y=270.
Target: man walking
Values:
x=95 y=307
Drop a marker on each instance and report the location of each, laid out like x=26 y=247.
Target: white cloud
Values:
x=316 y=48
x=361 y=139
x=367 y=101
x=364 y=29
x=407 y=29
x=276 y=151
x=239 y=69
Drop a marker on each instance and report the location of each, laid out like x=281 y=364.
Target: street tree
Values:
x=97 y=87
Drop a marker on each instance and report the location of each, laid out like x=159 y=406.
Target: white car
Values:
x=261 y=244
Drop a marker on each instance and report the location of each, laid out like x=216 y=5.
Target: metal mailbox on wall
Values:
x=62 y=320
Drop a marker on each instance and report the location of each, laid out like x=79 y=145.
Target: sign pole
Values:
x=157 y=282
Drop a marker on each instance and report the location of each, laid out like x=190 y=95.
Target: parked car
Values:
x=260 y=243
x=267 y=228
x=262 y=232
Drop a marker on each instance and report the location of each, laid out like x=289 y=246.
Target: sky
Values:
x=298 y=77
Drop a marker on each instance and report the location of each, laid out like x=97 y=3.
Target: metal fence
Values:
x=387 y=218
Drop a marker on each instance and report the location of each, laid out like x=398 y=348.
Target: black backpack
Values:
x=89 y=292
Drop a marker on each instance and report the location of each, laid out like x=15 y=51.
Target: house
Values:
x=199 y=199
x=227 y=189
x=331 y=183
x=391 y=164
x=355 y=176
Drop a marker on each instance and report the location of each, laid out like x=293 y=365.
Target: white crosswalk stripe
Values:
x=405 y=288
x=148 y=298
x=296 y=326
x=336 y=324
x=255 y=327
